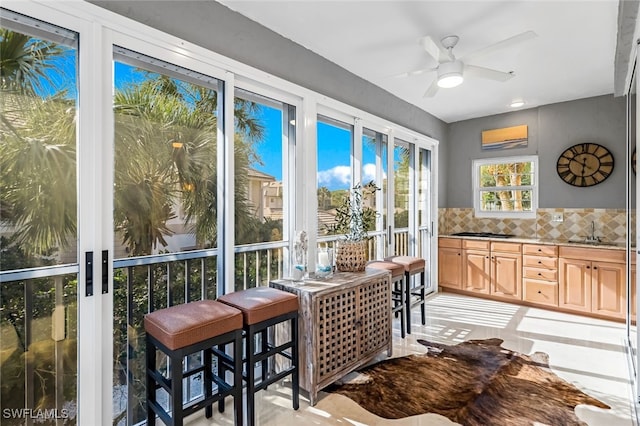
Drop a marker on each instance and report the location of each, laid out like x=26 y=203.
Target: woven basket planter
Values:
x=351 y=256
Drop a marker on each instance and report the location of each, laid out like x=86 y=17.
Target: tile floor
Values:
x=587 y=352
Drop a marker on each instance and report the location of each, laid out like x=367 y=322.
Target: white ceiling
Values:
x=572 y=56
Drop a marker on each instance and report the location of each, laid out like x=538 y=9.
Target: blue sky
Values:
x=334 y=143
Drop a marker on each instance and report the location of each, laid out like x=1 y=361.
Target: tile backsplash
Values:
x=610 y=224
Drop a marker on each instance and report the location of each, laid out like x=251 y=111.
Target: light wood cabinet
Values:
x=450 y=262
x=506 y=275
x=540 y=274
x=492 y=268
x=593 y=280
x=575 y=284
x=476 y=271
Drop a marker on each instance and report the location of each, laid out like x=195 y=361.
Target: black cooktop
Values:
x=482 y=234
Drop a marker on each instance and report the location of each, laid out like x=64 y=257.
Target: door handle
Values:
x=105 y=271
x=88 y=271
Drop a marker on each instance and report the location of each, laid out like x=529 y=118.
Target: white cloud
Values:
x=369 y=173
x=340 y=176
x=336 y=176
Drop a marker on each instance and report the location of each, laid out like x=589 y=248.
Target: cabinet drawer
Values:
x=540 y=292
x=450 y=242
x=602 y=255
x=540 y=274
x=540 y=250
x=475 y=244
x=506 y=247
x=540 y=262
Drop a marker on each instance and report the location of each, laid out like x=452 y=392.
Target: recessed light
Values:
x=517 y=103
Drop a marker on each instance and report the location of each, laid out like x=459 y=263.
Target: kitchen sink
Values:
x=593 y=243
x=482 y=234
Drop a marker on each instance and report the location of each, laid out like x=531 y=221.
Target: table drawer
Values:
x=540 y=274
x=540 y=250
x=540 y=292
x=540 y=262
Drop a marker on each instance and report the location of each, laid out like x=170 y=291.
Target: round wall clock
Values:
x=585 y=164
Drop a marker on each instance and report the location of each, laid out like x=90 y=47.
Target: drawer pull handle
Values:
x=540 y=262
x=539 y=249
x=539 y=273
x=595 y=267
x=539 y=291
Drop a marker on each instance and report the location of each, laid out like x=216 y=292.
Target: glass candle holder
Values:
x=324 y=265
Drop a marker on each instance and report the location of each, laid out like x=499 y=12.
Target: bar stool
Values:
x=414 y=294
x=263 y=307
x=183 y=330
x=397 y=291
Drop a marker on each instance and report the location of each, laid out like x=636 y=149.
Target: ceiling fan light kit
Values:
x=451 y=71
x=450 y=74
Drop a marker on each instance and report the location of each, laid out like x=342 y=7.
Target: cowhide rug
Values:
x=473 y=383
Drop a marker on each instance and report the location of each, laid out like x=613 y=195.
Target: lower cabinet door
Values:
x=608 y=289
x=575 y=284
x=476 y=271
x=506 y=271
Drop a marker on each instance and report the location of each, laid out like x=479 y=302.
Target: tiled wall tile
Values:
x=610 y=224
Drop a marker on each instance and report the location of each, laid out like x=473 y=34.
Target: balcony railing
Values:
x=40 y=303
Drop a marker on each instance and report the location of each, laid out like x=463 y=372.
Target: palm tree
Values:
x=37 y=157
x=25 y=62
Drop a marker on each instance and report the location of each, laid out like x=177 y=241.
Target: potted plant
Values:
x=354 y=219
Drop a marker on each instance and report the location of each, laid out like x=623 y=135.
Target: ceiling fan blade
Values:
x=415 y=72
x=488 y=73
x=508 y=42
x=432 y=90
x=435 y=50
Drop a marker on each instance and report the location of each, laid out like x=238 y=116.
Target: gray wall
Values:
x=552 y=129
x=217 y=28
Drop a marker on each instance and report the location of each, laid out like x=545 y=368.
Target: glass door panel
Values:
x=165 y=208
x=402 y=187
x=335 y=141
x=38 y=222
x=374 y=171
x=424 y=219
x=264 y=129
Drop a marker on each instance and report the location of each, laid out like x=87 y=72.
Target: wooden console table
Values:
x=345 y=322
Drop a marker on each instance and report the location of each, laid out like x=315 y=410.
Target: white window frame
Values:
x=477 y=190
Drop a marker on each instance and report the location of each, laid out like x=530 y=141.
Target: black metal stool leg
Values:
x=237 y=380
x=407 y=295
x=422 y=296
x=207 y=379
x=251 y=366
x=295 y=376
x=151 y=384
x=176 y=391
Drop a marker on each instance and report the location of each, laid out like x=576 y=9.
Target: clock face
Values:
x=585 y=164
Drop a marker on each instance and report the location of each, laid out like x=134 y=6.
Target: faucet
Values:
x=593 y=238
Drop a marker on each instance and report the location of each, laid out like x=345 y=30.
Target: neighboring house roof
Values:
x=256 y=174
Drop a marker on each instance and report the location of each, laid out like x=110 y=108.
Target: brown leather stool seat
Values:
x=414 y=293
x=397 y=291
x=183 y=330
x=262 y=308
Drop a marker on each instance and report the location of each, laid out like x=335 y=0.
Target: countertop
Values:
x=603 y=244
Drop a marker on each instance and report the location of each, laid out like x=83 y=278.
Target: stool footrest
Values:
x=272 y=350
x=273 y=378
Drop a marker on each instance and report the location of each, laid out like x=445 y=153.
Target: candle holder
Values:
x=324 y=265
x=299 y=256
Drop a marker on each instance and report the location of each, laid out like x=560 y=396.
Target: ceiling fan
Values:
x=451 y=71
